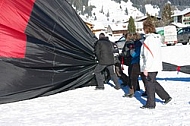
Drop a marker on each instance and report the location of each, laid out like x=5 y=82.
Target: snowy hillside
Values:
x=117 y=12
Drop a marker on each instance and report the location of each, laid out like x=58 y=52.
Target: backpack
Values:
x=125 y=57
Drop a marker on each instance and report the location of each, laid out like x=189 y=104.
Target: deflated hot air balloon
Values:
x=45 y=48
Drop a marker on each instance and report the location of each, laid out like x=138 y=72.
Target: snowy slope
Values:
x=117 y=12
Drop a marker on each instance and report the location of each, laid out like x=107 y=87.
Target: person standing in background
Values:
x=125 y=56
x=135 y=65
x=105 y=56
x=151 y=64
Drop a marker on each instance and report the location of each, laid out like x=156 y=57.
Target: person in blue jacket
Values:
x=135 y=65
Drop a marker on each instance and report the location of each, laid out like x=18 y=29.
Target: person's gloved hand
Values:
x=132 y=52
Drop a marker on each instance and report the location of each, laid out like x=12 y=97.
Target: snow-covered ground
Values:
x=89 y=107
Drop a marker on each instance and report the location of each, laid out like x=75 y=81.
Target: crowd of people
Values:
x=142 y=55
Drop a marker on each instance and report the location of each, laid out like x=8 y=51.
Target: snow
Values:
x=154 y=11
x=117 y=11
x=89 y=107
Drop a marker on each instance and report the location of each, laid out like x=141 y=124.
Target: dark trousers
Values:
x=129 y=73
x=152 y=87
x=100 y=78
x=121 y=75
x=134 y=74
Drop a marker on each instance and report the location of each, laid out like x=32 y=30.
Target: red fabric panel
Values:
x=14 y=16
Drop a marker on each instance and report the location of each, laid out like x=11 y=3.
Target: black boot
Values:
x=167 y=100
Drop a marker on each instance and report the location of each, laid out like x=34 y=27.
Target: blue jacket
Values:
x=135 y=53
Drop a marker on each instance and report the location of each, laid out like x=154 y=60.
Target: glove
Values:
x=132 y=52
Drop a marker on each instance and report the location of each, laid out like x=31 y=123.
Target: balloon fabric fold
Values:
x=45 y=48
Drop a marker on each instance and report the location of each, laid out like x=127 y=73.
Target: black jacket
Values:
x=126 y=52
x=104 y=51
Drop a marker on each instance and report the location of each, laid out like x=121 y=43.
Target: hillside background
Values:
x=110 y=12
x=180 y=4
x=139 y=4
x=118 y=11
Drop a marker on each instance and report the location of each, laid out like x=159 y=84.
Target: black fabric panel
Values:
x=169 y=66
x=172 y=67
x=185 y=69
x=59 y=55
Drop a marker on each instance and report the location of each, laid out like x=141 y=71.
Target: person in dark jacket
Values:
x=126 y=49
x=135 y=65
x=104 y=53
x=126 y=57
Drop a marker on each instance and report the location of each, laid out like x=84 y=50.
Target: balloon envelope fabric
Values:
x=45 y=48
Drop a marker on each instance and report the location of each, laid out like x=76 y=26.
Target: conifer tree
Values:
x=153 y=19
x=108 y=14
x=148 y=16
x=166 y=14
x=131 y=25
x=102 y=10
